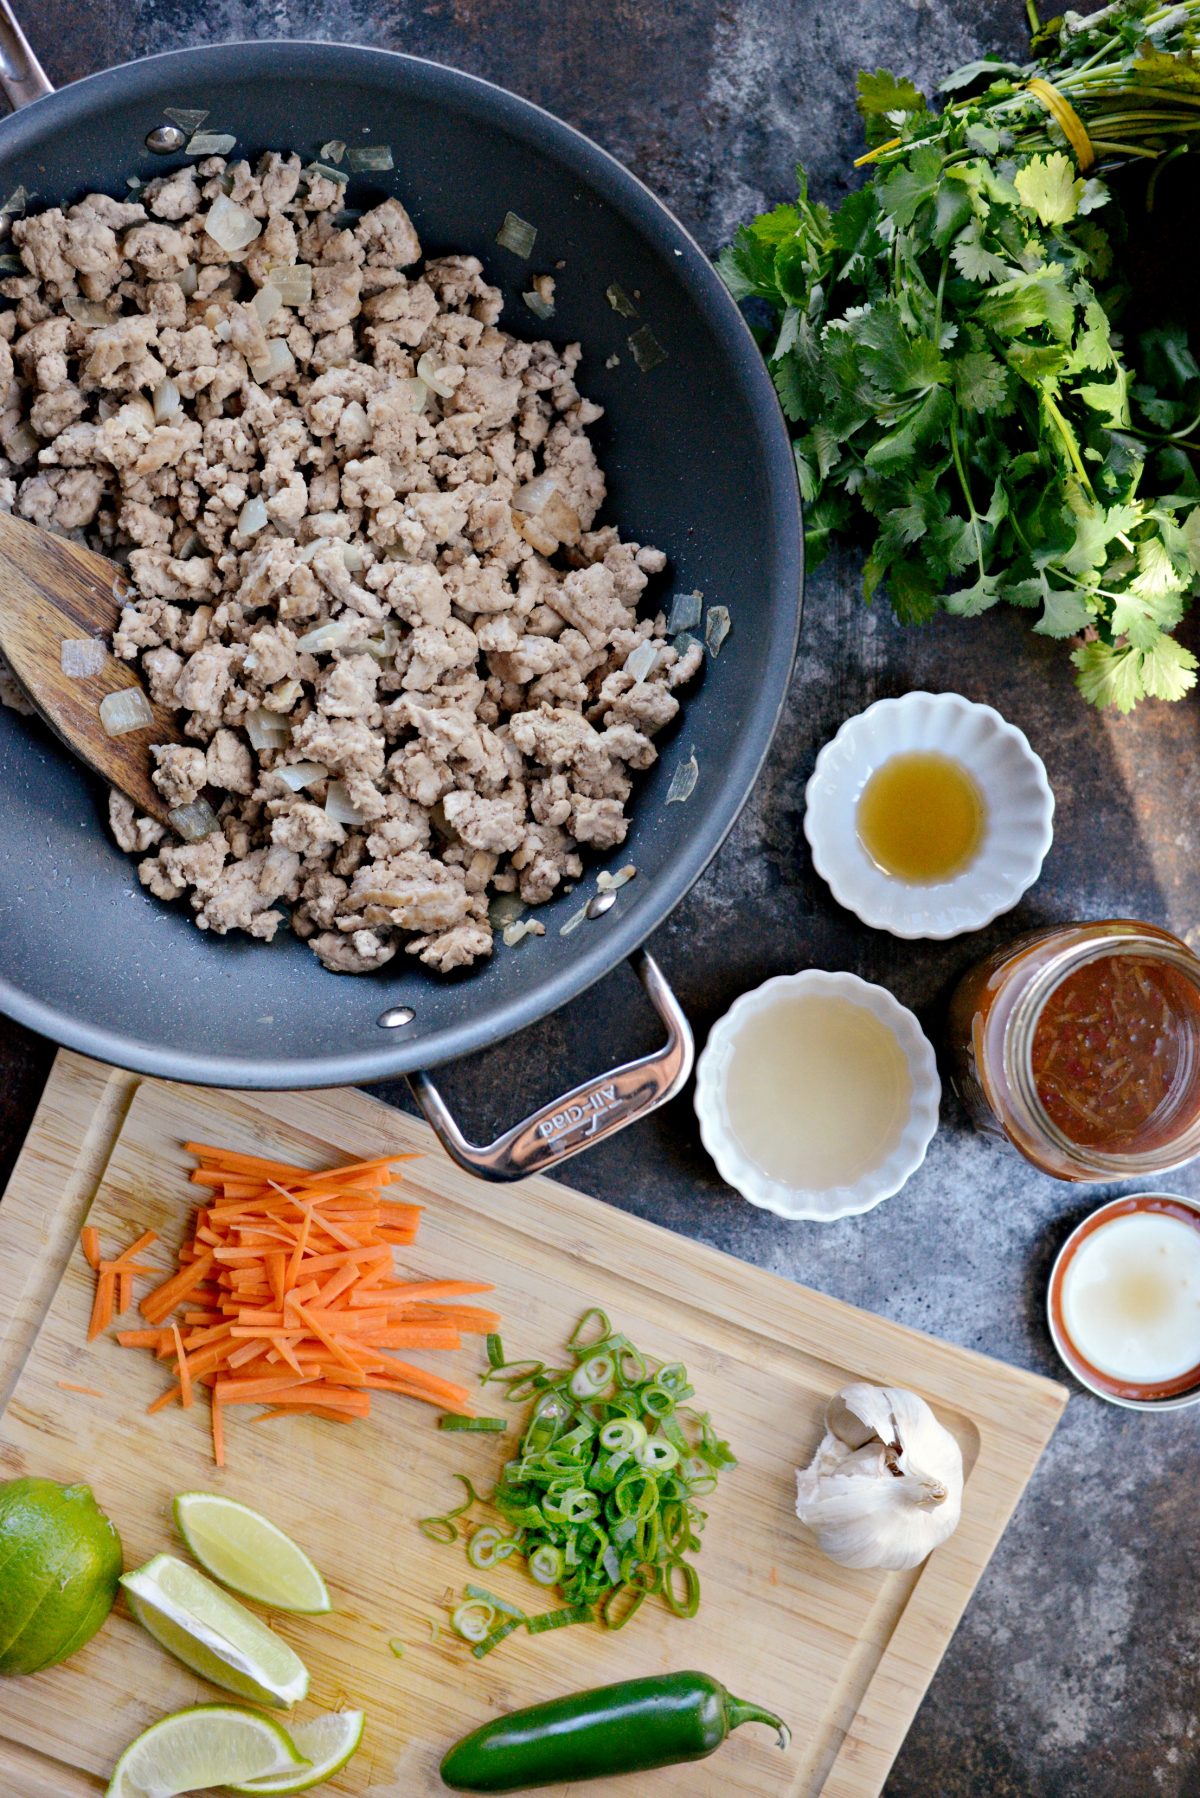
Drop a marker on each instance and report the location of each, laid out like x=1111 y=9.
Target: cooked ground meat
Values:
x=359 y=520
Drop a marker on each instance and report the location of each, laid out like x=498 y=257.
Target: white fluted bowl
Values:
x=1017 y=833
x=735 y=1165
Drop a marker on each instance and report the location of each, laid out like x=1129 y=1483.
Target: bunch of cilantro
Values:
x=944 y=343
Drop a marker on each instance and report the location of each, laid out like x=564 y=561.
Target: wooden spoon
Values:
x=53 y=591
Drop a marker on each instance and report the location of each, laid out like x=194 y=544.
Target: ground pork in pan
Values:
x=359 y=523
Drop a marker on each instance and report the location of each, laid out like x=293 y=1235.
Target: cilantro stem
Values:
x=965 y=484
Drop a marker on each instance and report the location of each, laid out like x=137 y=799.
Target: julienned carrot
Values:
x=89 y=1240
x=286 y=1296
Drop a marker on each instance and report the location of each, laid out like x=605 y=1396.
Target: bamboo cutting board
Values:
x=844 y=1656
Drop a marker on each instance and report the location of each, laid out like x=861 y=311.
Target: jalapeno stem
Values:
x=737 y=1712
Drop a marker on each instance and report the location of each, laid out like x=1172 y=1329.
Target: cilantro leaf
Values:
x=980 y=382
x=1049 y=187
x=973 y=260
x=912 y=185
x=1108 y=676
x=885 y=93
x=1168 y=670
x=1065 y=613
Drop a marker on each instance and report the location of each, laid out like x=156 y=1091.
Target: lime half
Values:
x=208 y=1745
x=213 y=1634
x=327 y=1741
x=249 y=1554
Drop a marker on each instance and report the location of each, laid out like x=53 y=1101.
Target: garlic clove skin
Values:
x=884 y=1488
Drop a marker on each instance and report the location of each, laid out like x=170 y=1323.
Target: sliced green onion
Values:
x=451 y=1422
x=545 y=1564
x=494 y=1637
x=489 y=1546
x=593 y=1376
x=498 y=1604
x=604 y=1330
x=684 y=1603
x=397 y=1647
x=572 y=1613
x=495 y=1351
x=625 y=1433
x=614 y=1618
x=656 y=1455
x=473 y=1620
x=443 y=1528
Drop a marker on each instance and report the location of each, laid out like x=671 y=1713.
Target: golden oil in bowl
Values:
x=921 y=817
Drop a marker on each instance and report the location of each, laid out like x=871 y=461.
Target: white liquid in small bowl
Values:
x=1131 y=1298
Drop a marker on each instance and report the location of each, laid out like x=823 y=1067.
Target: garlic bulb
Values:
x=885 y=1486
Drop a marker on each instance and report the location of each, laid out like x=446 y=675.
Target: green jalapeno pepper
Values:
x=626 y=1728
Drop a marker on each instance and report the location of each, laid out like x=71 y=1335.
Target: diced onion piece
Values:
x=230 y=225
x=277 y=361
x=210 y=143
x=167 y=403
x=266 y=730
x=559 y=516
x=540 y=308
x=532 y=497
x=193 y=822
x=517 y=234
x=418 y=393
x=302 y=774
x=285 y=693
x=334 y=150
x=685 y=612
x=717 y=626
x=683 y=642
x=253 y=517
x=368 y=159
x=80 y=656
x=331 y=635
x=384 y=646
x=641 y=661
x=683 y=781
x=86 y=312
x=267 y=302
x=515 y=933
x=188 y=118
x=222 y=330
x=574 y=921
x=188 y=279
x=647 y=351
x=353 y=556
x=12 y=265
x=126 y=710
x=294 y=282
x=21 y=443
x=328 y=171
x=433 y=376
x=338 y=806
x=620 y=301
x=504 y=909
x=16 y=202
x=610 y=883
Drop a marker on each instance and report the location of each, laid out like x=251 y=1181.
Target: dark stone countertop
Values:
x=1075 y=1671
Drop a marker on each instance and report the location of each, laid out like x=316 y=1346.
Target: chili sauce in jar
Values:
x=1081 y=1047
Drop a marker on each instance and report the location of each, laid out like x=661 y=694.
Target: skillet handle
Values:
x=22 y=76
x=588 y=1113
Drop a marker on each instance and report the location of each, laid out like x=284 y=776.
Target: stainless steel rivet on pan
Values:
x=395 y=1016
x=602 y=902
x=164 y=140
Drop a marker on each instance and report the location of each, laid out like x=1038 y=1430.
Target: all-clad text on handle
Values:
x=585 y=1115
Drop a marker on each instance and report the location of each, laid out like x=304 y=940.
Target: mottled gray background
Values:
x=1074 y=1674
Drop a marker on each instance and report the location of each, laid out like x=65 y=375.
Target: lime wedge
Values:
x=249 y=1554
x=213 y=1634
x=327 y=1741
x=208 y=1745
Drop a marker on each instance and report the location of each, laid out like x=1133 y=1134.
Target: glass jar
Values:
x=1080 y=1046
